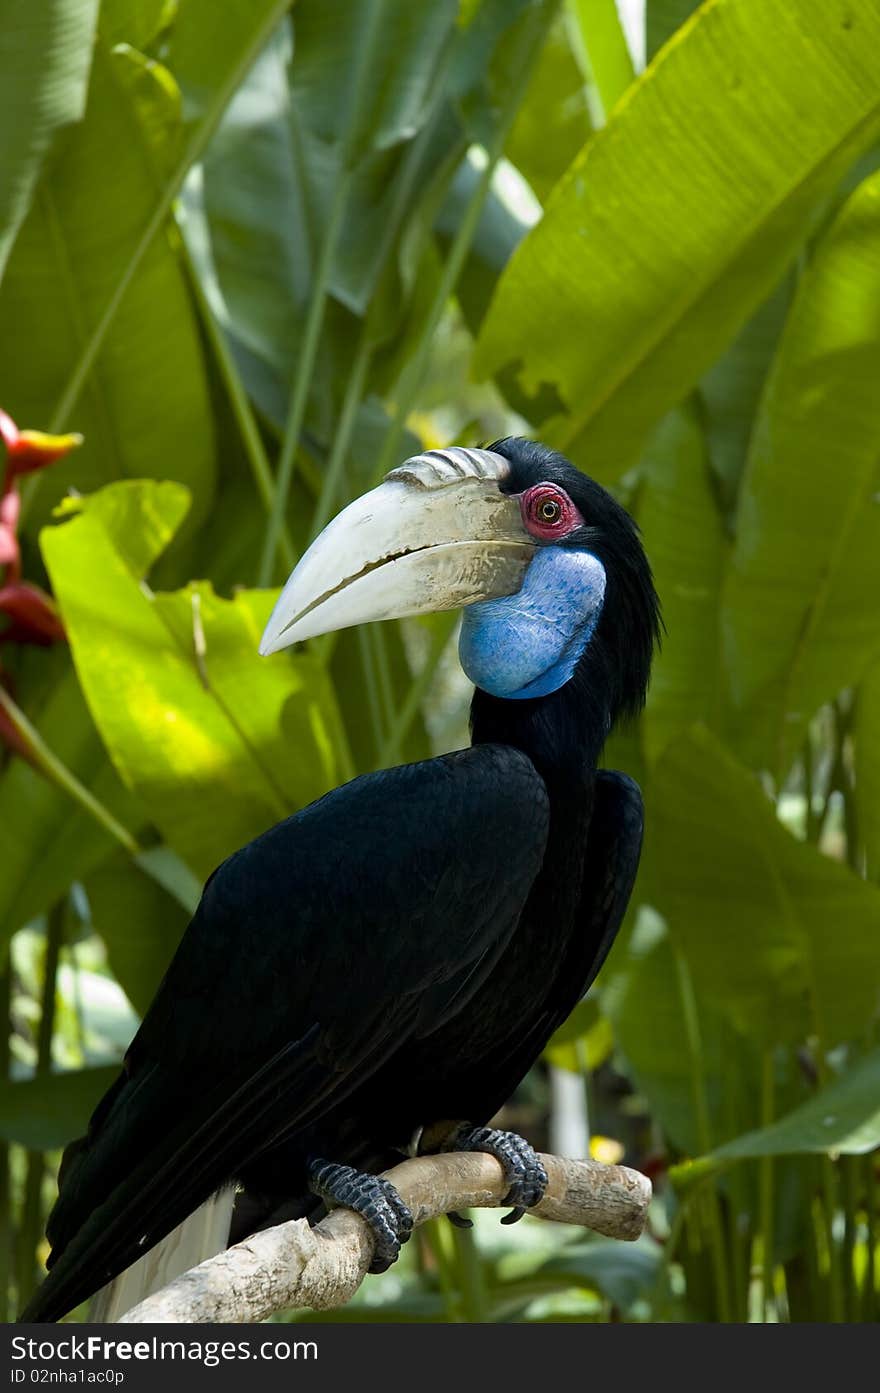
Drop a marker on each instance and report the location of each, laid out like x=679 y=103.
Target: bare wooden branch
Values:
x=294 y=1265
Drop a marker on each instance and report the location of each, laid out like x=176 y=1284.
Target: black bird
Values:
x=378 y=972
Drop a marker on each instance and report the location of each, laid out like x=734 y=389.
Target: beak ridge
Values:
x=425 y=540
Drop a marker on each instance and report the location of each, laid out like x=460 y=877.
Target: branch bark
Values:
x=295 y=1265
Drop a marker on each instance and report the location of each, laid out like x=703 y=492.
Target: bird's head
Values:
x=547 y=565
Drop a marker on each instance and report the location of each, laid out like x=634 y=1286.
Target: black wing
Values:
x=614 y=847
x=614 y=844
x=315 y=952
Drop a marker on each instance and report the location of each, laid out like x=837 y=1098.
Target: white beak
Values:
x=436 y=535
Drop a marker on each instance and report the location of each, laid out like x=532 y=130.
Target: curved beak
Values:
x=419 y=543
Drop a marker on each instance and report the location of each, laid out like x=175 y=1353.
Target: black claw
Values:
x=458 y=1220
x=523 y=1171
x=374 y=1198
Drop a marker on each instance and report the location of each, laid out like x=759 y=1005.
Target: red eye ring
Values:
x=548 y=513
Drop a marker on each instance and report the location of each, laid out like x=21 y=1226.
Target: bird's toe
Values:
x=375 y=1199
x=523 y=1169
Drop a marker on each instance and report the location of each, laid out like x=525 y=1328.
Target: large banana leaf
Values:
x=555 y=98
x=146 y=407
x=217 y=743
x=781 y=939
x=45 y=50
x=46 y=1112
x=800 y=611
x=730 y=392
x=210 y=60
x=140 y=923
x=685 y=540
x=642 y=995
x=678 y=217
x=844 y=1116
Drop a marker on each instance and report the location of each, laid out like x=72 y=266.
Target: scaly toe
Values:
x=525 y=1175
x=371 y=1196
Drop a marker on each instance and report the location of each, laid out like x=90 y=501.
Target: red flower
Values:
x=32 y=615
x=27 y=613
x=29 y=450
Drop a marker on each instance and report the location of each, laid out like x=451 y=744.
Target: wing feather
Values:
x=315 y=952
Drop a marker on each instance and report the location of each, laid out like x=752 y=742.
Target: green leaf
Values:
x=642 y=998
x=156 y=98
x=147 y=407
x=662 y=247
x=555 y=99
x=844 y=1116
x=45 y=1113
x=800 y=607
x=259 y=235
x=584 y=1054
x=47 y=841
x=608 y=66
x=584 y=1041
x=778 y=937
x=731 y=391
x=165 y=867
x=45 y=51
x=684 y=538
x=584 y=1016
x=209 y=73
x=662 y=19
x=217 y=743
x=278 y=160
x=140 y=924
x=622 y=1272
x=136 y=22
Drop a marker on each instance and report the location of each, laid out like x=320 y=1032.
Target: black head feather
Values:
x=619 y=654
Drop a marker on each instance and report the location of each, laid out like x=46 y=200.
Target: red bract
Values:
x=27 y=613
x=29 y=450
x=34 y=616
x=31 y=613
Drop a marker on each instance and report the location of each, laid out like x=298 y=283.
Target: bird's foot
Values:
x=523 y=1171
x=375 y=1199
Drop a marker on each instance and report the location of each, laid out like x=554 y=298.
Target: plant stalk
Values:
x=52 y=768
x=31 y=1220
x=239 y=401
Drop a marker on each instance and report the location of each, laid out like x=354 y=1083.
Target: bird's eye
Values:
x=548 y=512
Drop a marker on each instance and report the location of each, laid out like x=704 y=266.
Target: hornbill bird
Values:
x=374 y=975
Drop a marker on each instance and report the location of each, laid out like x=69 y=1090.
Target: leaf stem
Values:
x=303 y=382
x=704 y=1130
x=342 y=437
x=31 y=1218
x=835 y=1276
x=404 y=718
x=373 y=702
x=51 y=767
x=239 y=401
x=358 y=88
x=411 y=378
x=472 y=1280
x=765 y=1186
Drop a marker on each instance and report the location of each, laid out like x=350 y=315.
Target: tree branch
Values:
x=295 y=1265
